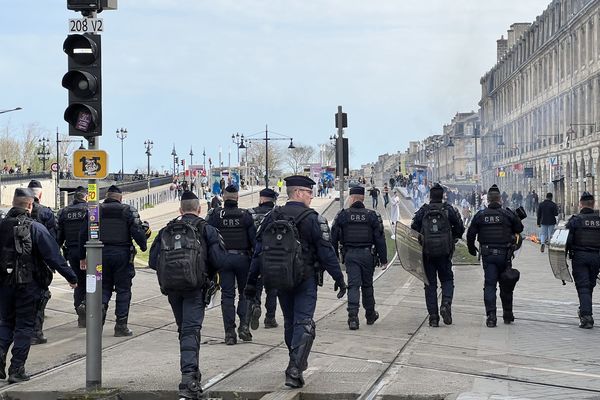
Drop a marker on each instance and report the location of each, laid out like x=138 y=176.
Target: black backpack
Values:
x=436 y=231
x=283 y=264
x=183 y=253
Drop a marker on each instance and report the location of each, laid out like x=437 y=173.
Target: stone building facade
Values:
x=540 y=105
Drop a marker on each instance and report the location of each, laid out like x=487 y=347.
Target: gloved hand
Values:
x=342 y=289
x=147 y=230
x=473 y=251
x=250 y=291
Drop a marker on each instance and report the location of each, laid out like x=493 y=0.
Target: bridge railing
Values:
x=143 y=201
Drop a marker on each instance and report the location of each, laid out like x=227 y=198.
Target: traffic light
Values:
x=182 y=162
x=87 y=6
x=83 y=81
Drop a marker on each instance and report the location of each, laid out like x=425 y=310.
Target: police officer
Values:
x=239 y=234
x=497 y=231
x=119 y=223
x=298 y=305
x=45 y=216
x=188 y=305
x=267 y=200
x=360 y=233
x=583 y=245
x=437 y=261
x=70 y=222
x=21 y=271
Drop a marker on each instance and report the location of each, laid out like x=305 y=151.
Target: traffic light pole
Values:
x=340 y=154
x=93 y=298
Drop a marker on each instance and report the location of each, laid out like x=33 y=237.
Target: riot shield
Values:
x=410 y=252
x=558 y=256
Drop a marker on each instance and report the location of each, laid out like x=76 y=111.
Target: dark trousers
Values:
x=493 y=266
x=270 y=301
x=297 y=305
x=79 y=291
x=234 y=271
x=586 y=265
x=17 y=312
x=438 y=267
x=375 y=201
x=360 y=269
x=117 y=276
x=188 y=309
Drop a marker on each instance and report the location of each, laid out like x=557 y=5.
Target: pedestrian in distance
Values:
x=583 y=246
x=386 y=195
x=291 y=241
x=45 y=216
x=186 y=254
x=70 y=221
x=239 y=234
x=120 y=226
x=27 y=251
x=440 y=227
x=498 y=231
x=359 y=232
x=546 y=220
x=374 y=193
x=267 y=200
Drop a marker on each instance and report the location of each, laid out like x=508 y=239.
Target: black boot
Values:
x=104 y=311
x=434 y=320
x=190 y=388
x=81 y=311
x=255 y=316
x=491 y=320
x=293 y=376
x=16 y=375
x=230 y=337
x=121 y=328
x=244 y=333
x=2 y=365
x=353 y=322
x=270 y=322
x=446 y=312
x=586 y=322
x=508 y=316
x=38 y=338
x=372 y=317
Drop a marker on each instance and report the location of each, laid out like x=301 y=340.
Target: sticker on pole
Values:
x=90 y=284
x=90 y=164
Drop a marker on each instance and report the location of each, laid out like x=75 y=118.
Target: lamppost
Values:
x=149 y=145
x=267 y=139
x=43 y=153
x=174 y=154
x=449 y=145
x=244 y=144
x=122 y=135
x=12 y=109
x=58 y=141
x=237 y=140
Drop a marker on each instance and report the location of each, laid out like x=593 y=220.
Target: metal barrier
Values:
x=143 y=201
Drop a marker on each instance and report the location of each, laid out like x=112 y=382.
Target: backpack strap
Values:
x=303 y=215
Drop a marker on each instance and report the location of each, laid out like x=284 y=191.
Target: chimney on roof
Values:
x=502 y=47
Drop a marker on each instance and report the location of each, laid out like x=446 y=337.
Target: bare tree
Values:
x=327 y=154
x=256 y=157
x=300 y=156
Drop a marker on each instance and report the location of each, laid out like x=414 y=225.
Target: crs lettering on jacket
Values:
x=491 y=219
x=591 y=223
x=358 y=217
x=75 y=215
x=229 y=222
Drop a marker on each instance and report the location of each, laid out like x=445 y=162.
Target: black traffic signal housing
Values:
x=83 y=81
x=88 y=6
x=183 y=162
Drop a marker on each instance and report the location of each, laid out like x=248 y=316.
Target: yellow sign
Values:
x=90 y=164
x=92 y=192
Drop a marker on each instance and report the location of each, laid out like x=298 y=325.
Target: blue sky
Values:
x=193 y=72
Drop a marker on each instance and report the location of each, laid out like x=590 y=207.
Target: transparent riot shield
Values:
x=558 y=256
x=410 y=252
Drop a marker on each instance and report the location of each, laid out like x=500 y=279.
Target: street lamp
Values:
x=174 y=154
x=149 y=145
x=267 y=139
x=12 y=109
x=237 y=140
x=122 y=135
x=43 y=152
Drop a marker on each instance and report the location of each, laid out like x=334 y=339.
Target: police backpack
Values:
x=16 y=262
x=436 y=231
x=282 y=258
x=183 y=253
